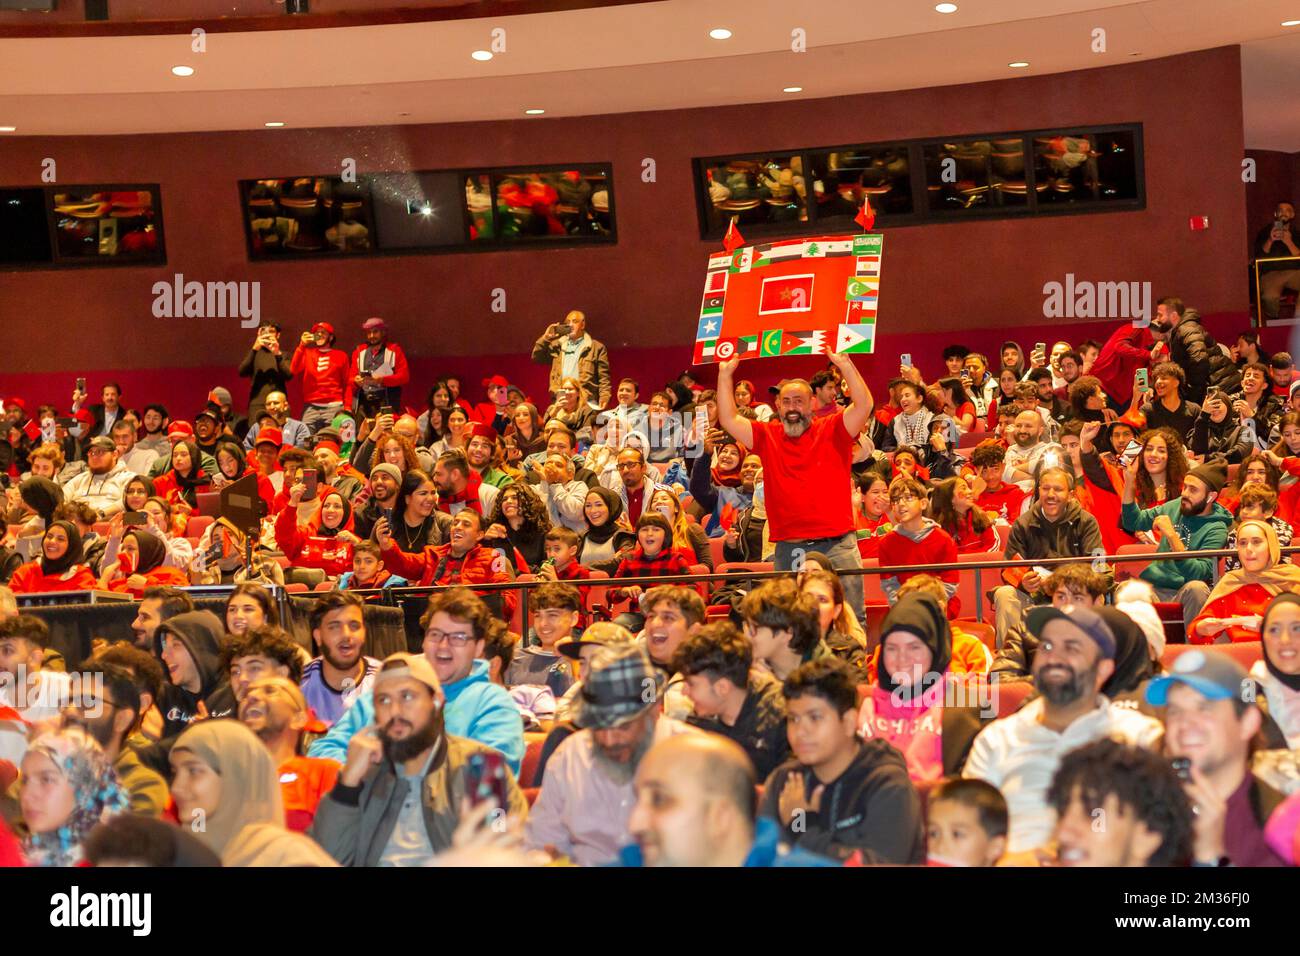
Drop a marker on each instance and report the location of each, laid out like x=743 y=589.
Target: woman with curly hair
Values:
x=1162 y=466
x=397 y=450
x=519 y=521
x=1259 y=468
x=68 y=787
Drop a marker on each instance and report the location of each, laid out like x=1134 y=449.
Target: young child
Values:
x=368 y=570
x=653 y=555
x=916 y=540
x=555 y=615
x=967 y=824
x=1260 y=502
x=839 y=795
x=562 y=564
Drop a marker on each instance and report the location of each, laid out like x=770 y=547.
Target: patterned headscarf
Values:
x=95 y=788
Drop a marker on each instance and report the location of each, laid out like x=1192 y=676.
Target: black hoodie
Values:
x=872 y=806
x=203 y=636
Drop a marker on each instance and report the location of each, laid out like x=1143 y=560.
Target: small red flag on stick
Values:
x=733 y=240
x=866 y=217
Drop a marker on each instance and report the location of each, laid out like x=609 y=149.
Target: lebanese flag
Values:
x=786 y=294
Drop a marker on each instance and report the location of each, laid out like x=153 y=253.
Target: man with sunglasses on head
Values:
x=456 y=626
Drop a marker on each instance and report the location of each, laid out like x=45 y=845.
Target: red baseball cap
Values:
x=323 y=327
x=479 y=430
x=83 y=415
x=16 y=401
x=180 y=428
x=374 y=322
x=270 y=436
x=497 y=380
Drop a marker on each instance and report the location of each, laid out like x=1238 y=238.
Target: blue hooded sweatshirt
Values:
x=476 y=708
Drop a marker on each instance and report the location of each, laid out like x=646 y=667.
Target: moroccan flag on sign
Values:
x=786 y=294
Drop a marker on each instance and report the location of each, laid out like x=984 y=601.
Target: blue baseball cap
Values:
x=1213 y=675
x=1085 y=619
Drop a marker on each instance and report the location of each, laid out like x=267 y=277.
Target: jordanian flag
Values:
x=803 y=343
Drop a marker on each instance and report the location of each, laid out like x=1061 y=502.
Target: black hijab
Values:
x=1291 y=681
x=325 y=532
x=923 y=616
x=1132 y=653
x=74 y=555
x=42 y=496
x=196 y=477
x=235 y=452
x=150 y=491
x=152 y=551
x=599 y=534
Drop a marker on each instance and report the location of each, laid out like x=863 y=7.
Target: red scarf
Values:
x=469 y=497
x=729 y=479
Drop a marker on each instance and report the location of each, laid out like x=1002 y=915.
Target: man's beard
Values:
x=335 y=662
x=1027 y=442
x=268 y=733
x=1070 y=692
x=400 y=751
x=384 y=497
x=1190 y=510
x=101 y=729
x=100 y=469
x=795 y=425
x=622 y=773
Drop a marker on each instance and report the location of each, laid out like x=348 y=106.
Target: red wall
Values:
x=953 y=281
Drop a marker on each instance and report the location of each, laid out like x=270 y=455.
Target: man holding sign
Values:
x=807 y=483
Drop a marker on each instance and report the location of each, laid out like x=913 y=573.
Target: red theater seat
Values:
x=1245 y=653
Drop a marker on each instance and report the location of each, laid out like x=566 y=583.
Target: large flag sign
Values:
x=793 y=297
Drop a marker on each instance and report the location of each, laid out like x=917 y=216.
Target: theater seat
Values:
x=715 y=550
x=8 y=774
x=1171 y=616
x=987 y=634
x=517 y=623
x=1133 y=569
x=1245 y=653
x=532 y=757
x=1011 y=696
x=296 y=588
x=197 y=524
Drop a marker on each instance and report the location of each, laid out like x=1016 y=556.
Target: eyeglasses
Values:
x=903 y=499
x=458 y=639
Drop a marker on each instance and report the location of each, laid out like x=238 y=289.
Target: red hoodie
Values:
x=306 y=547
x=1127 y=350
x=936 y=547
x=436 y=565
x=324 y=374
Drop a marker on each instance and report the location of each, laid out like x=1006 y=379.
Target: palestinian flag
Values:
x=770 y=253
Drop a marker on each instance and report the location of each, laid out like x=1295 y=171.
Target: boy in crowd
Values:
x=342 y=672
x=368 y=570
x=966 y=824
x=840 y=795
x=731 y=699
x=916 y=539
x=556 y=608
x=264 y=651
x=35 y=692
x=561 y=562
x=999 y=498
x=1070 y=585
x=783 y=626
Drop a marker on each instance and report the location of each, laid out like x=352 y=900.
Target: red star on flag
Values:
x=733 y=240
x=866 y=217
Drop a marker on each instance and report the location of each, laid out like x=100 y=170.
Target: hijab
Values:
x=922 y=616
x=1291 y=681
x=187 y=483
x=1132 y=653
x=152 y=551
x=599 y=534
x=73 y=556
x=42 y=496
x=731 y=477
x=96 y=791
x=247 y=827
x=149 y=490
x=1275 y=578
x=235 y=452
x=344 y=525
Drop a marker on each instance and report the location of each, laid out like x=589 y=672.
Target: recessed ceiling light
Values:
x=483 y=55
x=275 y=124
x=721 y=33
x=1018 y=64
x=1291 y=23
x=183 y=71
x=403 y=114
x=8 y=129
x=945 y=8
x=534 y=112
x=793 y=89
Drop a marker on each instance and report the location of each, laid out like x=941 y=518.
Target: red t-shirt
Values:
x=1006 y=502
x=806 y=480
x=303 y=782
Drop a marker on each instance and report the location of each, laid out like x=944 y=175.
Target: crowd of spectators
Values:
x=792 y=719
